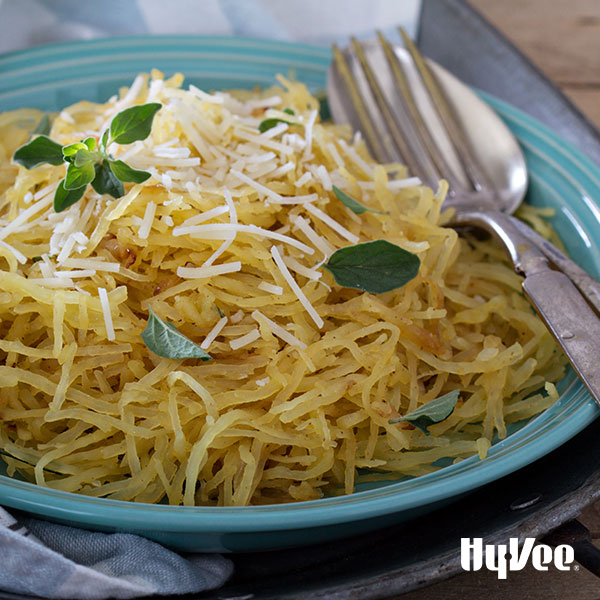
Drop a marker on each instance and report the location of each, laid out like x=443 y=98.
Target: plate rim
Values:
x=322 y=512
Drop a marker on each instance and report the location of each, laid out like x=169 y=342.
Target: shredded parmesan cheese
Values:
x=317 y=212
x=213 y=334
x=278 y=330
x=204 y=272
x=244 y=340
x=269 y=287
x=296 y=288
x=108 y=322
x=306 y=379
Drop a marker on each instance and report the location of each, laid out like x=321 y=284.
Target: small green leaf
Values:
x=324 y=110
x=221 y=313
x=38 y=258
x=269 y=123
x=85 y=156
x=354 y=205
x=289 y=111
x=133 y=123
x=72 y=149
x=124 y=172
x=38 y=151
x=44 y=125
x=374 y=267
x=166 y=340
x=63 y=198
x=90 y=143
x=105 y=181
x=431 y=412
x=79 y=176
x=104 y=140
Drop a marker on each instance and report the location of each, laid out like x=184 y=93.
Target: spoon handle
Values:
x=554 y=296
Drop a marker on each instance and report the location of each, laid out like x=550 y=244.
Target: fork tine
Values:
x=373 y=139
x=398 y=137
x=469 y=162
x=427 y=152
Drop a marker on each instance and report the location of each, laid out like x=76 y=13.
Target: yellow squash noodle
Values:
x=225 y=241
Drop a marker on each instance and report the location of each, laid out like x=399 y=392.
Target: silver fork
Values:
x=399 y=133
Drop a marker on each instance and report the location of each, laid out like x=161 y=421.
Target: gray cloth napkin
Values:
x=54 y=561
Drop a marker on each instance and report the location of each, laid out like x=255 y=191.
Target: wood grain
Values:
x=561 y=37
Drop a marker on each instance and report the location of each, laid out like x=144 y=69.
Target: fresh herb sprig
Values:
x=88 y=161
x=434 y=411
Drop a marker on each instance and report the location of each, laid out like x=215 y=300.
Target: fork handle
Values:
x=555 y=298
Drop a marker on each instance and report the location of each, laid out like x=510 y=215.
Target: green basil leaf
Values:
x=38 y=151
x=105 y=181
x=44 y=125
x=133 y=123
x=431 y=412
x=269 y=123
x=166 y=340
x=63 y=198
x=374 y=267
x=85 y=156
x=104 y=140
x=79 y=176
x=72 y=149
x=289 y=111
x=124 y=172
x=90 y=143
x=354 y=205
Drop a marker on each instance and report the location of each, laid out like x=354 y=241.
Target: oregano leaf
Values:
x=270 y=123
x=354 y=205
x=105 y=181
x=376 y=267
x=63 y=198
x=43 y=126
x=167 y=341
x=38 y=151
x=79 y=176
x=124 y=172
x=134 y=123
x=431 y=412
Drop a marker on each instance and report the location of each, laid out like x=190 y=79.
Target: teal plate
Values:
x=52 y=77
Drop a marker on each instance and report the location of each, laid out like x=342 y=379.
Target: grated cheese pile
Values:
x=225 y=241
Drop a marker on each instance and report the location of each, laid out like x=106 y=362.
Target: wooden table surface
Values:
x=562 y=38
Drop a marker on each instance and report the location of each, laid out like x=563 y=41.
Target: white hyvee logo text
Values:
x=503 y=558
